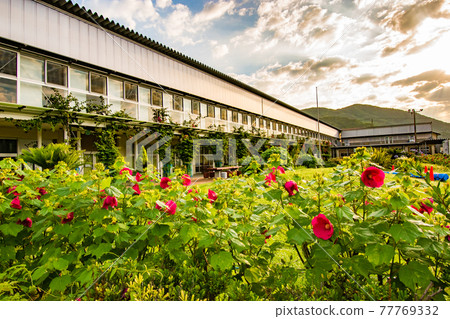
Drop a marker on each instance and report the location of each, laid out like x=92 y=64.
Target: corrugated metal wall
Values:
x=37 y=25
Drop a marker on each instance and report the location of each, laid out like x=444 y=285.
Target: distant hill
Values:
x=363 y=115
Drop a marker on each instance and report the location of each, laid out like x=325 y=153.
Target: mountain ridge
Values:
x=365 y=115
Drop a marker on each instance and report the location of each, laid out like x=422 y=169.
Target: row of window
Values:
x=38 y=77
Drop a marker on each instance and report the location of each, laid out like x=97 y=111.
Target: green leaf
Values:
x=106 y=182
x=252 y=275
x=380 y=213
x=101 y=249
x=99 y=232
x=399 y=201
x=407 y=232
x=7 y=253
x=84 y=277
x=61 y=264
x=187 y=232
x=63 y=229
x=39 y=272
x=63 y=191
x=273 y=194
x=297 y=236
x=60 y=283
x=160 y=230
x=273 y=231
x=261 y=209
x=379 y=254
x=354 y=195
x=277 y=220
x=431 y=247
x=414 y=274
x=114 y=191
x=222 y=261
x=361 y=265
x=344 y=212
x=11 y=229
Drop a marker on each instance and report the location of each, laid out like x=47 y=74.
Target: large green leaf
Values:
x=101 y=249
x=298 y=236
x=7 y=253
x=11 y=229
x=60 y=283
x=273 y=194
x=344 y=212
x=379 y=254
x=406 y=231
x=222 y=260
x=414 y=274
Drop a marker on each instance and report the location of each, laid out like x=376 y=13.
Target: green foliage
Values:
x=254 y=242
x=286 y=159
x=49 y=156
x=108 y=152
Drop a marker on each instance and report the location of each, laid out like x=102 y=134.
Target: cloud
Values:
x=213 y=11
x=365 y=78
x=163 y=3
x=440 y=95
x=408 y=18
x=129 y=11
x=219 y=50
x=438 y=76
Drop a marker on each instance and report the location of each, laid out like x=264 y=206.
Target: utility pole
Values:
x=318 y=124
x=413 y=111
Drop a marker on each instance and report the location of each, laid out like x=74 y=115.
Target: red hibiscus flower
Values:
x=290 y=186
x=171 y=207
x=15 y=203
x=137 y=191
x=27 y=222
x=279 y=169
x=266 y=237
x=373 y=177
x=322 y=227
x=158 y=207
x=67 y=219
x=186 y=179
x=139 y=177
x=165 y=182
x=110 y=201
x=212 y=196
x=126 y=169
x=192 y=190
x=270 y=178
x=12 y=190
x=194 y=219
x=424 y=208
x=42 y=191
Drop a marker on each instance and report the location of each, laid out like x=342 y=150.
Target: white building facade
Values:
x=55 y=45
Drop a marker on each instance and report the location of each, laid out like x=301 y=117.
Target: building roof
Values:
x=110 y=25
x=381 y=126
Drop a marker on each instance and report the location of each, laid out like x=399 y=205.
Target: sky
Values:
x=386 y=53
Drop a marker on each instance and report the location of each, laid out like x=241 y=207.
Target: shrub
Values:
x=286 y=159
x=49 y=156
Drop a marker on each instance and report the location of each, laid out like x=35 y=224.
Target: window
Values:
x=8 y=90
x=157 y=98
x=195 y=107
x=178 y=103
x=253 y=119
x=234 y=116
x=115 y=88
x=223 y=114
x=144 y=95
x=8 y=62
x=56 y=73
x=79 y=80
x=98 y=83
x=261 y=123
x=280 y=128
x=8 y=147
x=245 y=119
x=36 y=95
x=210 y=110
x=131 y=91
x=268 y=124
x=31 y=68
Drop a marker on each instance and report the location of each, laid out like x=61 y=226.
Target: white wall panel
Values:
x=13 y=9
x=41 y=26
